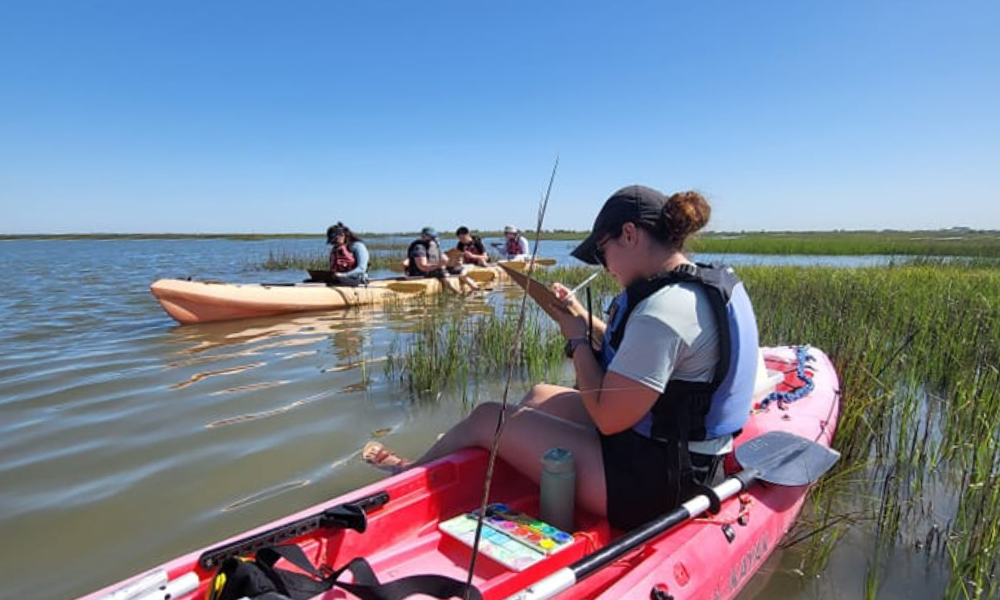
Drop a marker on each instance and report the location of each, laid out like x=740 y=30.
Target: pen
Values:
x=583 y=283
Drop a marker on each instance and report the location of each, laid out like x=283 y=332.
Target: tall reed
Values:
x=451 y=347
x=917 y=348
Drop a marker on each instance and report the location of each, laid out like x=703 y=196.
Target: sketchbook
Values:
x=543 y=296
x=538 y=291
x=454 y=257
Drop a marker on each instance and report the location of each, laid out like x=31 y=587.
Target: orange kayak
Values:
x=204 y=301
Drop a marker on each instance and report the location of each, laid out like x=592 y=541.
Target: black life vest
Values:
x=688 y=410
x=433 y=253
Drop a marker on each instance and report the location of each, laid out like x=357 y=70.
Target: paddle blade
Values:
x=786 y=459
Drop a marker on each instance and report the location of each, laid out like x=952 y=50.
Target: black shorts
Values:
x=637 y=473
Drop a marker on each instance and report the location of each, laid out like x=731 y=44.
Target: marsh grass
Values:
x=452 y=347
x=954 y=242
x=917 y=348
x=281 y=260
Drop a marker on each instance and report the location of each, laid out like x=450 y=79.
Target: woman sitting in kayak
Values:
x=348 y=256
x=659 y=401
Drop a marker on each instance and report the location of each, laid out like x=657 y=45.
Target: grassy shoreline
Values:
x=946 y=242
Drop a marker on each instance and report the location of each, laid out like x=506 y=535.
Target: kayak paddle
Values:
x=775 y=457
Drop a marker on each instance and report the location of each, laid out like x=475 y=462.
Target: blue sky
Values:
x=283 y=116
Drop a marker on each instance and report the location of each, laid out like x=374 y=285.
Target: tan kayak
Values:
x=204 y=301
x=522 y=265
x=519 y=265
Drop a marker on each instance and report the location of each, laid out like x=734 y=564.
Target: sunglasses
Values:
x=599 y=250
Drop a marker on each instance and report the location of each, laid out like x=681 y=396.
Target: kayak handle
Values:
x=349 y=515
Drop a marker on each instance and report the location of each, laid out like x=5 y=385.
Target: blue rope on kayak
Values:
x=802 y=357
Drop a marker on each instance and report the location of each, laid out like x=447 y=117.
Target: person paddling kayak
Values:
x=660 y=398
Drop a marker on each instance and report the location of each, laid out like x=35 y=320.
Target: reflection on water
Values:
x=202 y=376
x=138 y=439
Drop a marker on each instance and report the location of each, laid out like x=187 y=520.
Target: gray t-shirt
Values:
x=672 y=334
x=432 y=252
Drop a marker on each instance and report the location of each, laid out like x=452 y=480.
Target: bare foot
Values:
x=380 y=457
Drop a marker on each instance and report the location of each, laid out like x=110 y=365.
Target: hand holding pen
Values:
x=582 y=285
x=567 y=296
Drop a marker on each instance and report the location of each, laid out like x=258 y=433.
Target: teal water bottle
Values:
x=558 y=489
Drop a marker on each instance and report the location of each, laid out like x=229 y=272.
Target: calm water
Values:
x=126 y=439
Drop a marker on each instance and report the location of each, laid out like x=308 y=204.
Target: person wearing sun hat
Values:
x=660 y=397
x=515 y=245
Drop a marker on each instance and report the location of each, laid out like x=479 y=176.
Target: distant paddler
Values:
x=470 y=247
x=424 y=258
x=515 y=246
x=348 y=257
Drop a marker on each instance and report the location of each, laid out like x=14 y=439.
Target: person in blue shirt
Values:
x=348 y=256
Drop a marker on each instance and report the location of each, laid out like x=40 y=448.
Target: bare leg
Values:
x=449 y=283
x=563 y=402
x=527 y=434
x=468 y=281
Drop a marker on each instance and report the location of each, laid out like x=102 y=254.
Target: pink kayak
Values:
x=421 y=521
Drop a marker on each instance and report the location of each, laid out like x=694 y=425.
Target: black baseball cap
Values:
x=332 y=232
x=633 y=204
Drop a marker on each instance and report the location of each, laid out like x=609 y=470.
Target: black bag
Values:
x=259 y=579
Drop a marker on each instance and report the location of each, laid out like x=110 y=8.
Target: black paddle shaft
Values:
x=775 y=457
x=633 y=539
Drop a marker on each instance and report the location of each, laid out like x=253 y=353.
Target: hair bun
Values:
x=683 y=214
